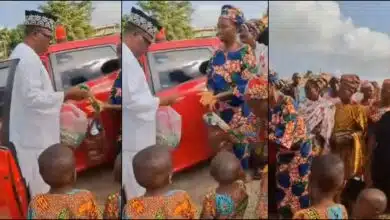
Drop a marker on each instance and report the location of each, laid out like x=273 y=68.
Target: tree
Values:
x=9 y=38
x=125 y=19
x=74 y=15
x=174 y=16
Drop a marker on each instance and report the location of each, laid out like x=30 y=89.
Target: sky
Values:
x=336 y=37
x=12 y=12
x=206 y=12
x=109 y=12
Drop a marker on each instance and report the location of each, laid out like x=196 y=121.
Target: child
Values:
x=112 y=208
x=370 y=204
x=152 y=168
x=325 y=181
x=57 y=166
x=230 y=199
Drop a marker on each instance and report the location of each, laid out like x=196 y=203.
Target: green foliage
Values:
x=74 y=15
x=9 y=38
x=125 y=18
x=174 y=16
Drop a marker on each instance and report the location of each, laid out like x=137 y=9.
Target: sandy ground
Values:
x=196 y=181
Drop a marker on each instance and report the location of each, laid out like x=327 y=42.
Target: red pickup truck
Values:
x=170 y=67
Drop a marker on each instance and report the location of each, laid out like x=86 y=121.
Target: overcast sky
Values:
x=337 y=37
x=109 y=12
x=206 y=12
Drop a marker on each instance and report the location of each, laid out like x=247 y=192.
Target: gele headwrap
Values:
x=350 y=81
x=233 y=13
x=257 y=88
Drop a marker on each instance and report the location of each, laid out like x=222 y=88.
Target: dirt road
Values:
x=196 y=181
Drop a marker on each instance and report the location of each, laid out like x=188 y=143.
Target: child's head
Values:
x=370 y=204
x=57 y=166
x=118 y=169
x=327 y=176
x=152 y=167
x=225 y=167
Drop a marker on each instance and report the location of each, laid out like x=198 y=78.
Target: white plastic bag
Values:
x=74 y=125
x=168 y=127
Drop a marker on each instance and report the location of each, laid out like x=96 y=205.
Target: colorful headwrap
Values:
x=257 y=88
x=350 y=81
x=233 y=13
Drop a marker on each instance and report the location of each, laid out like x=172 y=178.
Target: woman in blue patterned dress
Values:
x=290 y=154
x=228 y=73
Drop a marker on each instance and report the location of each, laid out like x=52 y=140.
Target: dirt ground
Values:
x=196 y=181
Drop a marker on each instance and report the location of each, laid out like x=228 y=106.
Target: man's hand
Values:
x=75 y=93
x=170 y=100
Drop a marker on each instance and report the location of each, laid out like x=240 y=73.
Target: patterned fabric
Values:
x=112 y=207
x=351 y=118
x=116 y=97
x=375 y=114
x=76 y=204
x=257 y=88
x=262 y=204
x=226 y=206
x=319 y=118
x=39 y=19
x=288 y=132
x=233 y=13
x=116 y=90
x=350 y=81
x=336 y=211
x=146 y=23
x=174 y=204
x=231 y=73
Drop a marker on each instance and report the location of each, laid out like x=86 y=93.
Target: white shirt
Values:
x=35 y=106
x=139 y=105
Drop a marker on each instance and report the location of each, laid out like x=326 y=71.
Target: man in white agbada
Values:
x=139 y=105
x=35 y=106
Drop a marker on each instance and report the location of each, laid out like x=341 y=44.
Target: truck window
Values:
x=79 y=66
x=177 y=66
x=3 y=84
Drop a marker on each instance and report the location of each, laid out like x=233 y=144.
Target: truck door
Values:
x=14 y=196
x=176 y=71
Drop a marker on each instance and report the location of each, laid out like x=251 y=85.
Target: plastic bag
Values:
x=74 y=125
x=168 y=127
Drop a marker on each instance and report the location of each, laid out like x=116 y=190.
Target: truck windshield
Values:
x=177 y=66
x=78 y=66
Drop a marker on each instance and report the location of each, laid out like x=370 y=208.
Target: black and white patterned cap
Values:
x=40 y=19
x=145 y=23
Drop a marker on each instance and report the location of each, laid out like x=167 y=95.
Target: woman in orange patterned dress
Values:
x=152 y=168
x=57 y=166
x=112 y=208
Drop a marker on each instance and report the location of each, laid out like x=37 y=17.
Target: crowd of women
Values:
x=328 y=117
